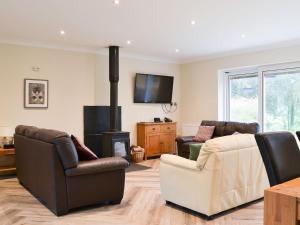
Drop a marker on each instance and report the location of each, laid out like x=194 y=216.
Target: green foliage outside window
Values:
x=281 y=99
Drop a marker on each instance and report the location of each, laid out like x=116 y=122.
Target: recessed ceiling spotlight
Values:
x=243 y=35
x=62 y=32
x=128 y=42
x=193 y=22
x=176 y=50
x=116 y=2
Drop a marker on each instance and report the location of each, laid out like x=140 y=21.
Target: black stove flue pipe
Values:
x=114 y=79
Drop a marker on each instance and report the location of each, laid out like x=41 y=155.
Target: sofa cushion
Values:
x=84 y=153
x=231 y=127
x=63 y=143
x=28 y=131
x=194 y=151
x=204 y=133
x=225 y=143
x=98 y=166
x=219 y=126
x=67 y=152
x=45 y=135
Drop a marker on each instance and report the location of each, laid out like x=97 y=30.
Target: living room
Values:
x=207 y=47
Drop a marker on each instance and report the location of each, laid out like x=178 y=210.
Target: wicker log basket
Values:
x=137 y=153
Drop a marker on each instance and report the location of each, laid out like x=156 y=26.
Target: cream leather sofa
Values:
x=228 y=172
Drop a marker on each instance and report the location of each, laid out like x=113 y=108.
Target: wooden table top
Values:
x=290 y=188
x=9 y=151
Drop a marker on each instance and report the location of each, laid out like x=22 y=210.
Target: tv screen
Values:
x=153 y=88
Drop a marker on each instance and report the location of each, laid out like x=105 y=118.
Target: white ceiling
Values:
x=155 y=27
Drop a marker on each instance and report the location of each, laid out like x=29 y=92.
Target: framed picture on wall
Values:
x=35 y=93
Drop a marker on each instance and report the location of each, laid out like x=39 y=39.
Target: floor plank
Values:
x=141 y=205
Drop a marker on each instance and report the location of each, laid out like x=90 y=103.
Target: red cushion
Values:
x=84 y=153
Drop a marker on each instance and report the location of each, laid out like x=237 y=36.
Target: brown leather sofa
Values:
x=48 y=166
x=222 y=128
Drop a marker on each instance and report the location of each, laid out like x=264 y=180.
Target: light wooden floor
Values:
x=141 y=205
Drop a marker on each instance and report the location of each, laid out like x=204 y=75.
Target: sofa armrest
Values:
x=178 y=161
x=98 y=166
x=184 y=139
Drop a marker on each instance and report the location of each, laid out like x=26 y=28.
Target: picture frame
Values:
x=36 y=93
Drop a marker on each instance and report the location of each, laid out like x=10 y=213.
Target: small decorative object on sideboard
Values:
x=6 y=137
x=167 y=120
x=137 y=153
x=157 y=120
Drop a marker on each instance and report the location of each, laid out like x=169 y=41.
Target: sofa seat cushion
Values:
x=183 y=139
x=98 y=166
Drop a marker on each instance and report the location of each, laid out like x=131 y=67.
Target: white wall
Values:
x=77 y=79
x=199 y=80
x=71 y=78
x=135 y=112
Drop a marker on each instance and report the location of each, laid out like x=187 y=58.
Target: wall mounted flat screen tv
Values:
x=153 y=88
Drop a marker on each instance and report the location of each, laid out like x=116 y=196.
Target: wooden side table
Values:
x=7 y=161
x=282 y=204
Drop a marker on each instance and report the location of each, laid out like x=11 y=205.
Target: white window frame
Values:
x=224 y=90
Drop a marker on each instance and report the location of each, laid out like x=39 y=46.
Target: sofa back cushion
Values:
x=45 y=135
x=249 y=128
x=61 y=141
x=225 y=144
x=223 y=128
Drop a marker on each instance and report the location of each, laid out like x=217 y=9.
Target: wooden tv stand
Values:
x=156 y=138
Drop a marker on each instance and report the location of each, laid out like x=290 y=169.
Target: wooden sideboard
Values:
x=282 y=204
x=156 y=138
x=7 y=161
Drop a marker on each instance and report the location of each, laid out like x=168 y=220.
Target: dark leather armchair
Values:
x=280 y=154
x=298 y=135
x=48 y=166
x=222 y=128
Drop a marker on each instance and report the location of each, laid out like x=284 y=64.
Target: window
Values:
x=281 y=100
x=269 y=96
x=243 y=97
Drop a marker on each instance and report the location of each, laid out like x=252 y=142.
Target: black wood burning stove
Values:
x=112 y=141
x=116 y=143
x=97 y=121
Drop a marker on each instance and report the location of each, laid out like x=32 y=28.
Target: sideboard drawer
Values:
x=153 y=129
x=168 y=128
